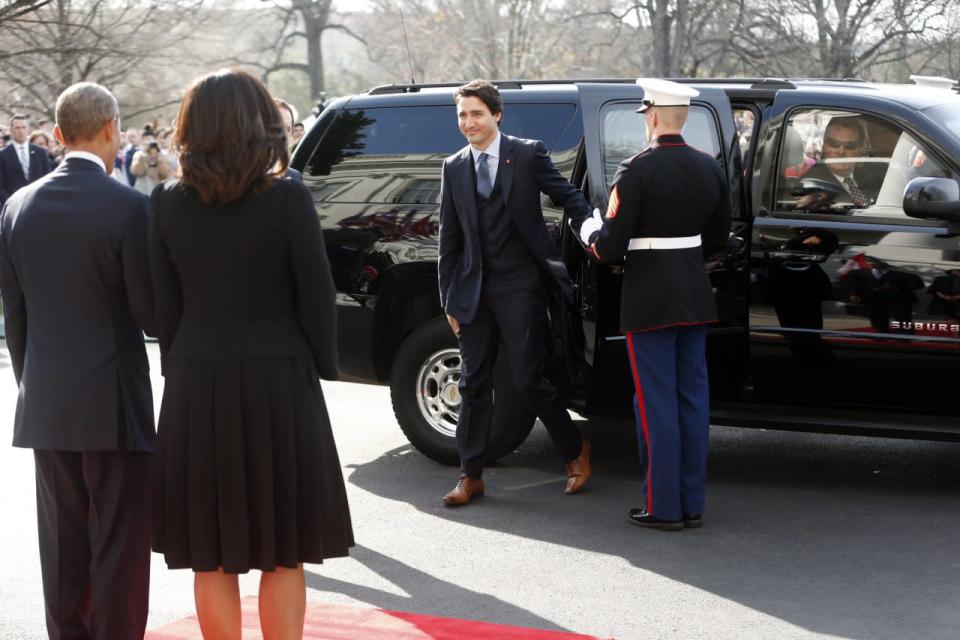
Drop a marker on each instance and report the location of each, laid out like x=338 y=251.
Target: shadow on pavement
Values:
x=422 y=589
x=844 y=535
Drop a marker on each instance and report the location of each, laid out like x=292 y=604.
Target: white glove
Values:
x=591 y=225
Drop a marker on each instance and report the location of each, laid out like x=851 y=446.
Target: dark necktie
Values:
x=484 y=184
x=859 y=199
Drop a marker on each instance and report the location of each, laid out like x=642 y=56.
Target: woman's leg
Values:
x=217 y=595
x=283 y=599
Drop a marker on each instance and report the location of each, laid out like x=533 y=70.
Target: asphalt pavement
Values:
x=805 y=536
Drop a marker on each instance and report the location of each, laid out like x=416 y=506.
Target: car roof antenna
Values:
x=406 y=43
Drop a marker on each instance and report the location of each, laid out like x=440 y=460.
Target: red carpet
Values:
x=331 y=622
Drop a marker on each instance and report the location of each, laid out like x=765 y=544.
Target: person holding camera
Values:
x=150 y=167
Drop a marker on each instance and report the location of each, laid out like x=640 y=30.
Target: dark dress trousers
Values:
x=668 y=191
x=11 y=171
x=76 y=291
x=494 y=253
x=248 y=475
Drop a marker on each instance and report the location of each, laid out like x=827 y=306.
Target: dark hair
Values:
x=230 y=137
x=283 y=104
x=482 y=89
x=153 y=144
x=19 y=116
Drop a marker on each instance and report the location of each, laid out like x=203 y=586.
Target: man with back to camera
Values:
x=495 y=253
x=76 y=289
x=669 y=208
x=21 y=162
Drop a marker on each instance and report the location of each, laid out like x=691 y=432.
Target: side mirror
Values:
x=937 y=198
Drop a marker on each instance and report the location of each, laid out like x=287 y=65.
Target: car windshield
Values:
x=948 y=116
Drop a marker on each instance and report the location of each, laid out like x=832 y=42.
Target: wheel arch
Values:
x=408 y=299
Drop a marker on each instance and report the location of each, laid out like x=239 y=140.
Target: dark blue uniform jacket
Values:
x=668 y=190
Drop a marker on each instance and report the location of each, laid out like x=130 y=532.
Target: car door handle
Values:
x=786 y=255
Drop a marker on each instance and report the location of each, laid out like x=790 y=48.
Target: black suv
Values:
x=839 y=317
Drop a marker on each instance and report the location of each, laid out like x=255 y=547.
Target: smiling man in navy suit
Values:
x=496 y=260
x=21 y=162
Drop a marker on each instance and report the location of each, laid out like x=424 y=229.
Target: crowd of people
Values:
x=145 y=159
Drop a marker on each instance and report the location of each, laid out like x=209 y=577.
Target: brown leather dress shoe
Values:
x=466 y=490
x=578 y=470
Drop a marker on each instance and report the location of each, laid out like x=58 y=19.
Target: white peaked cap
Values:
x=664 y=93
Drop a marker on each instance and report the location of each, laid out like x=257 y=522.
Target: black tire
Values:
x=512 y=420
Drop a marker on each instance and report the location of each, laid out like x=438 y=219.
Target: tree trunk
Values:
x=660 y=23
x=315 y=60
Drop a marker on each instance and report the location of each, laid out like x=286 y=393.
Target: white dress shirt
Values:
x=23 y=155
x=86 y=155
x=493 y=157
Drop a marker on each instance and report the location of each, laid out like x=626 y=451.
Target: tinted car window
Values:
x=393 y=154
x=837 y=162
x=624 y=135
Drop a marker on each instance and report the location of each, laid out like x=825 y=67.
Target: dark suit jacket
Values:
x=524 y=171
x=867 y=178
x=246 y=280
x=11 y=172
x=76 y=293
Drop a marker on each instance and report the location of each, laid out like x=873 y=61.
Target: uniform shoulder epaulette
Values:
x=645 y=152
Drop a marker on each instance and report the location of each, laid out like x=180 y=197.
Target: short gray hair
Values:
x=82 y=110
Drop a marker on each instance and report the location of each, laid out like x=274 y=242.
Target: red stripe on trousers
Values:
x=643 y=421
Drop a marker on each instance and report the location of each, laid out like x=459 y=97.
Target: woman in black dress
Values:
x=248 y=474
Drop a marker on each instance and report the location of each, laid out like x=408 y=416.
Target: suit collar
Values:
x=493 y=150
x=464 y=169
x=83 y=158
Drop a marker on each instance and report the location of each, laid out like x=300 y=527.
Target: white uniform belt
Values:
x=686 y=242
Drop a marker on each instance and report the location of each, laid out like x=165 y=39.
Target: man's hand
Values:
x=454 y=324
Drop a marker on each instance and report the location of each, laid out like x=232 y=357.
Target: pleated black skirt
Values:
x=248 y=475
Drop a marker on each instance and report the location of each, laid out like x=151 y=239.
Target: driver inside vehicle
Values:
x=840 y=180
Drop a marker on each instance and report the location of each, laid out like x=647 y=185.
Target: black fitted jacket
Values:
x=668 y=190
x=246 y=280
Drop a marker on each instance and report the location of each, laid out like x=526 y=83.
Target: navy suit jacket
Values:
x=524 y=171
x=75 y=280
x=11 y=171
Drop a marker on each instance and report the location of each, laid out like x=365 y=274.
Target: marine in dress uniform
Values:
x=668 y=209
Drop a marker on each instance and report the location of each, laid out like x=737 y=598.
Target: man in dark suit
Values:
x=73 y=250
x=841 y=177
x=21 y=162
x=496 y=258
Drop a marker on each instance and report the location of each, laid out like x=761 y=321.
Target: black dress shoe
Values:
x=692 y=520
x=641 y=518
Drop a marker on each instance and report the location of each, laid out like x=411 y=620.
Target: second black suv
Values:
x=836 y=316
